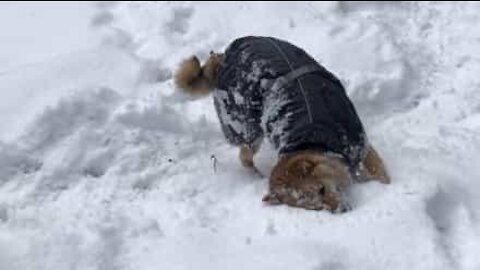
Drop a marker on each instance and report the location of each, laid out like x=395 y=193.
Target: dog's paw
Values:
x=343 y=208
x=335 y=203
x=271 y=199
x=337 y=209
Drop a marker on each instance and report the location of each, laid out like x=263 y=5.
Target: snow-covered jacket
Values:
x=268 y=86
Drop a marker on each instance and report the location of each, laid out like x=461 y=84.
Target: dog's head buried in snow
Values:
x=309 y=180
x=264 y=86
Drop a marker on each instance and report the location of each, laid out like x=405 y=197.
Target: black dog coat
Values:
x=270 y=87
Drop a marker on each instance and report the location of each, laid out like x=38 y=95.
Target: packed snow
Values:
x=103 y=165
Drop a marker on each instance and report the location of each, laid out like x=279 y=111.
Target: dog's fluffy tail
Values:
x=191 y=78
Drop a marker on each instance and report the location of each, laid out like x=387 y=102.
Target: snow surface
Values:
x=104 y=166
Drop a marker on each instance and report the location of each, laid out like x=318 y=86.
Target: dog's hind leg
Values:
x=246 y=157
x=375 y=167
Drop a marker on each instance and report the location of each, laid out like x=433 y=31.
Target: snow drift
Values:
x=107 y=167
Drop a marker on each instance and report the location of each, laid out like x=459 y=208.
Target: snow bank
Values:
x=119 y=173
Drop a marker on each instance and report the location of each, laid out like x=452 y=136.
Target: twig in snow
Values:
x=214 y=163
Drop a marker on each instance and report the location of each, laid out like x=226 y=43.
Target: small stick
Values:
x=214 y=163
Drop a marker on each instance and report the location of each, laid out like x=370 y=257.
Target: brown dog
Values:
x=309 y=178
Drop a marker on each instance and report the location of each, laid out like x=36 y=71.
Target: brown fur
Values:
x=197 y=80
x=375 y=167
x=309 y=180
x=246 y=157
x=312 y=180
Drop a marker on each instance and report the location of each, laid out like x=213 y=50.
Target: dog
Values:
x=264 y=86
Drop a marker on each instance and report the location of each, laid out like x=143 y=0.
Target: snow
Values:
x=104 y=166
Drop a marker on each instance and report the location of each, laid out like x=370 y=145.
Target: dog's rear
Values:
x=197 y=80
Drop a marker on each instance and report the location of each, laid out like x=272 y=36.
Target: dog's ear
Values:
x=271 y=199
